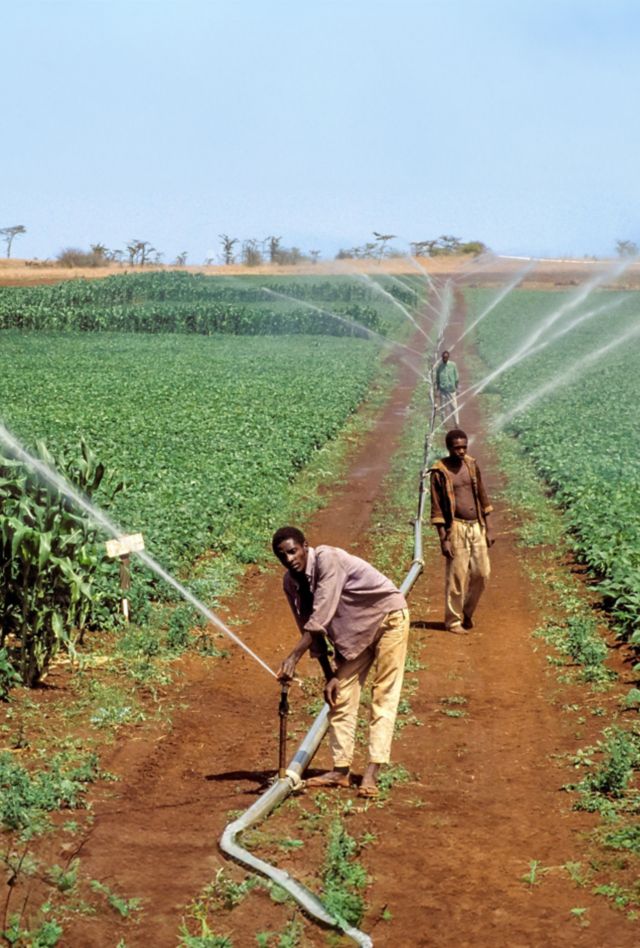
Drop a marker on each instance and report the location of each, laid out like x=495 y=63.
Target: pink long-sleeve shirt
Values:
x=350 y=599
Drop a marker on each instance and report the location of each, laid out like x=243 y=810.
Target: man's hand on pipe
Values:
x=287 y=669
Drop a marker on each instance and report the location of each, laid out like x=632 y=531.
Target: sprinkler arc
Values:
x=100 y=518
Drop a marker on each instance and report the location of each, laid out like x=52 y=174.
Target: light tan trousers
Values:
x=448 y=409
x=386 y=655
x=467 y=573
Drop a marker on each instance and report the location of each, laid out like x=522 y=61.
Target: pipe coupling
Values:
x=296 y=781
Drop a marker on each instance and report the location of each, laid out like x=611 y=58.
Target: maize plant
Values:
x=49 y=556
x=192 y=303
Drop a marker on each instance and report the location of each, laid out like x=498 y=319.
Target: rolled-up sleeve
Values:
x=330 y=580
x=437 y=515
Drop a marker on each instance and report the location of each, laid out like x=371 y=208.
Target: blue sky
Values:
x=174 y=121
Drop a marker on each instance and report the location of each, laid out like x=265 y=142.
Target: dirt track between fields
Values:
x=488 y=270
x=451 y=846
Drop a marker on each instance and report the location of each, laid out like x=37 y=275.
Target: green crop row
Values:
x=206 y=432
x=54 y=580
x=580 y=426
x=179 y=302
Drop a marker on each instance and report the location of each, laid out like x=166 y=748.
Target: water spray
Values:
x=391 y=343
x=529 y=346
x=98 y=516
x=376 y=286
x=570 y=374
x=501 y=295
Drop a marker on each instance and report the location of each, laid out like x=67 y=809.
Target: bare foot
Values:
x=368 y=784
x=331 y=778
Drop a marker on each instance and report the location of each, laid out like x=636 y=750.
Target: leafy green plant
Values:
x=26 y=797
x=65 y=879
x=205 y=939
x=625 y=838
x=605 y=441
x=536 y=870
x=225 y=893
x=343 y=878
x=124 y=907
x=50 y=560
x=621 y=754
x=46 y=935
x=391 y=775
x=9 y=677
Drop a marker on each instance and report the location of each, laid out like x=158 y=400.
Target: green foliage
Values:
x=343 y=878
x=206 y=433
x=622 y=755
x=625 y=838
x=536 y=870
x=582 y=435
x=124 y=907
x=579 y=638
x=182 y=621
x=193 y=303
x=51 y=561
x=390 y=775
x=206 y=938
x=225 y=893
x=45 y=935
x=620 y=751
x=25 y=797
x=65 y=879
x=9 y=676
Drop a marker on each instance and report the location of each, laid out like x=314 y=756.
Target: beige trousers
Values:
x=386 y=655
x=467 y=573
x=448 y=408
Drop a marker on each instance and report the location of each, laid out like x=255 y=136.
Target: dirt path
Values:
x=452 y=845
x=155 y=837
x=489 y=779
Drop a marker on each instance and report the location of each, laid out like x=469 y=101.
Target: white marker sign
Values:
x=132 y=543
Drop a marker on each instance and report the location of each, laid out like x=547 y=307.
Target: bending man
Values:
x=459 y=511
x=336 y=596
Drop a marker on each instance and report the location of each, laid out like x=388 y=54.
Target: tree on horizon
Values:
x=9 y=234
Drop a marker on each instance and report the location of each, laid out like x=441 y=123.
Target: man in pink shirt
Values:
x=341 y=598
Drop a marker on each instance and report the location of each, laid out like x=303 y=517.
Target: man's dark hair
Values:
x=445 y=352
x=451 y=436
x=286 y=533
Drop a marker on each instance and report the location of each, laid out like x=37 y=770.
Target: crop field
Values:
x=179 y=302
x=204 y=428
x=581 y=426
x=205 y=432
x=213 y=401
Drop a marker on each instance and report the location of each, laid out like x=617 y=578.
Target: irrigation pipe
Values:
x=281 y=789
x=284 y=786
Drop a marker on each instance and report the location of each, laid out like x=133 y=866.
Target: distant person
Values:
x=447 y=381
x=460 y=510
x=336 y=596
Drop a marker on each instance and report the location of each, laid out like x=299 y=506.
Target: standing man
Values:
x=447 y=381
x=336 y=596
x=459 y=511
